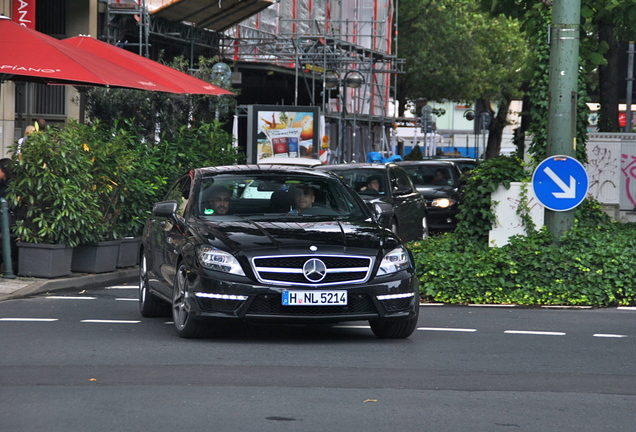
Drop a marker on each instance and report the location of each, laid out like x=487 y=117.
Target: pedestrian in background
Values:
x=27 y=131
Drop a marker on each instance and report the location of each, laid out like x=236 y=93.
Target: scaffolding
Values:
x=313 y=40
x=322 y=38
x=124 y=18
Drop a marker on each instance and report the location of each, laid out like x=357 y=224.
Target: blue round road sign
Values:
x=560 y=183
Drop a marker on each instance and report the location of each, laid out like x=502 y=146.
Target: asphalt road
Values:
x=89 y=362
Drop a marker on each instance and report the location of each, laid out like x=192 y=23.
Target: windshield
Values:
x=431 y=175
x=268 y=196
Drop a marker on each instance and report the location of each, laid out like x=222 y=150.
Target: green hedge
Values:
x=590 y=265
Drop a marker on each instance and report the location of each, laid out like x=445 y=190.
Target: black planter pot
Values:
x=100 y=257
x=44 y=260
x=128 y=252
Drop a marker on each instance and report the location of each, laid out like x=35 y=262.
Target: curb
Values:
x=83 y=281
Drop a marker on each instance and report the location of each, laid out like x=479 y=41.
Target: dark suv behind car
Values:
x=402 y=208
x=439 y=182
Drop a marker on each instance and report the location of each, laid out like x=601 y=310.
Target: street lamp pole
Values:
x=220 y=72
x=352 y=79
x=484 y=122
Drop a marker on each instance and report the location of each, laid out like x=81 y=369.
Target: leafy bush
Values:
x=86 y=183
x=592 y=264
x=206 y=145
x=51 y=191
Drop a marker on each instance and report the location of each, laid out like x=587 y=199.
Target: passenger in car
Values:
x=219 y=201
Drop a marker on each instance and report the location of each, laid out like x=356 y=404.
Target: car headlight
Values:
x=394 y=261
x=216 y=259
x=442 y=202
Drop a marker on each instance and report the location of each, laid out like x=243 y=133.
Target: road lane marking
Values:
x=446 y=329
x=110 y=321
x=528 y=332
x=122 y=287
x=70 y=298
x=626 y=308
x=127 y=299
x=493 y=305
x=29 y=319
x=353 y=326
x=605 y=335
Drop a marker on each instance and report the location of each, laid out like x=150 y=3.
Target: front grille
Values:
x=298 y=278
x=271 y=304
x=288 y=269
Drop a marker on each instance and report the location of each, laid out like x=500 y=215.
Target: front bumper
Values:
x=212 y=298
x=442 y=219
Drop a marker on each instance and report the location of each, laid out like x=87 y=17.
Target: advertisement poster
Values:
x=282 y=131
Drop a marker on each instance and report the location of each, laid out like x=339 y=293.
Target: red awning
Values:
x=28 y=55
x=177 y=81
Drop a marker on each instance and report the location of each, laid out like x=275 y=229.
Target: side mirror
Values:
x=382 y=212
x=165 y=209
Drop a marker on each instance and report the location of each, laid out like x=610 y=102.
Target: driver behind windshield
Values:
x=304 y=197
x=373 y=184
x=218 y=201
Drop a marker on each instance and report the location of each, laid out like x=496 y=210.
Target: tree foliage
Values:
x=454 y=51
x=604 y=23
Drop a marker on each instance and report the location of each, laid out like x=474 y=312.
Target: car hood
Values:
x=253 y=237
x=432 y=192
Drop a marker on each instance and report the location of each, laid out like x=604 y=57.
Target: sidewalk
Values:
x=26 y=286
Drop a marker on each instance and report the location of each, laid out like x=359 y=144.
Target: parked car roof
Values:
x=298 y=161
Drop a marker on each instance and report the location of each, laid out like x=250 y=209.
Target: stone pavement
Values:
x=27 y=286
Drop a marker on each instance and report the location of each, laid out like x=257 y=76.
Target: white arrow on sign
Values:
x=568 y=191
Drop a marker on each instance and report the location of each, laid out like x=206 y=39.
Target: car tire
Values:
x=186 y=325
x=393 y=329
x=150 y=305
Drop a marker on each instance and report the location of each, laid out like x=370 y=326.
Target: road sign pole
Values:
x=563 y=86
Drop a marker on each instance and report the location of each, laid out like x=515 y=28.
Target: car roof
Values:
x=359 y=165
x=451 y=158
x=431 y=162
x=295 y=161
x=253 y=169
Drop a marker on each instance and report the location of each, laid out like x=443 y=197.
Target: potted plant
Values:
x=125 y=183
x=110 y=161
x=140 y=186
x=54 y=208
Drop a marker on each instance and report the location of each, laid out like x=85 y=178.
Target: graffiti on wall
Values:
x=628 y=168
x=603 y=171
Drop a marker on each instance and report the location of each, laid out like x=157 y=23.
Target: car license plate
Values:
x=315 y=298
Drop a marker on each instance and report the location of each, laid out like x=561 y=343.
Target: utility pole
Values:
x=563 y=86
x=630 y=86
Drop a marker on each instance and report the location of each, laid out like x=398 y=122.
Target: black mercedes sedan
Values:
x=273 y=243
x=402 y=209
